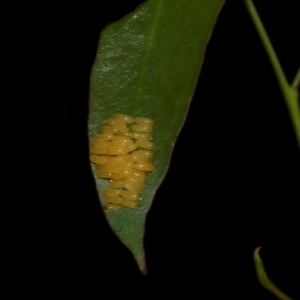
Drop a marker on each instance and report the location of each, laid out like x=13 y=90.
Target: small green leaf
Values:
x=147 y=65
x=264 y=279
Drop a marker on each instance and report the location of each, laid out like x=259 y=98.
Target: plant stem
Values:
x=290 y=92
x=263 y=277
x=296 y=80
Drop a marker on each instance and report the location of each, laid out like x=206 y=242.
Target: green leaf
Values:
x=264 y=279
x=147 y=65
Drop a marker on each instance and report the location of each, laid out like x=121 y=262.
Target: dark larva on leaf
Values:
x=121 y=154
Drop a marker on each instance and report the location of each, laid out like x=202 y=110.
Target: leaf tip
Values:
x=140 y=260
x=256 y=252
x=144 y=270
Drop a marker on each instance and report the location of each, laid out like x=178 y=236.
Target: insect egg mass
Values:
x=122 y=154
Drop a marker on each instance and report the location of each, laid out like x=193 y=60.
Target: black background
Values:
x=233 y=182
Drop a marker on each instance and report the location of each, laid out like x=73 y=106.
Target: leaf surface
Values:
x=147 y=65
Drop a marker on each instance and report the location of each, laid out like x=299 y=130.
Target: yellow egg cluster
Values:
x=122 y=154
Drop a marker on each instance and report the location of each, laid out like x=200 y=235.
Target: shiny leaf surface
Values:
x=147 y=65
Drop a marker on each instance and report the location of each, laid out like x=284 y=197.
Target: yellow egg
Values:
x=144 y=121
x=109 y=129
x=123 y=139
x=118 y=160
x=111 y=207
x=135 y=180
x=117 y=144
x=132 y=188
x=123 y=134
x=97 y=159
x=141 y=128
x=145 y=144
x=132 y=147
x=130 y=195
x=100 y=143
x=146 y=153
x=117 y=124
x=140 y=136
x=117 y=184
x=130 y=203
x=122 y=174
x=98 y=150
x=127 y=165
x=117 y=150
x=113 y=199
x=139 y=158
x=124 y=118
x=139 y=174
x=105 y=136
x=111 y=192
x=144 y=167
x=102 y=174
x=111 y=168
